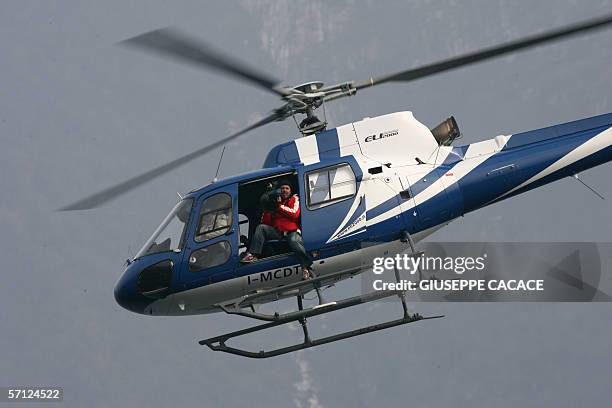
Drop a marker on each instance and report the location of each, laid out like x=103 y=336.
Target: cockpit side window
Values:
x=215 y=217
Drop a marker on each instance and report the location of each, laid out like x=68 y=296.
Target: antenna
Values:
x=575 y=176
x=219 y=165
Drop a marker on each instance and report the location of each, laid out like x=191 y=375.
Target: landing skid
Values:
x=237 y=306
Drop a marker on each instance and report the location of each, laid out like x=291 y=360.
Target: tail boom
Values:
x=532 y=159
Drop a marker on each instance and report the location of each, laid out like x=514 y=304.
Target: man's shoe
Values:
x=248 y=258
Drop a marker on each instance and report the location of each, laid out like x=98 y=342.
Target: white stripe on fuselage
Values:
x=347 y=140
x=307 y=150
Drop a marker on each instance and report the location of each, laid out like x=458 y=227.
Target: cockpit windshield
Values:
x=170 y=234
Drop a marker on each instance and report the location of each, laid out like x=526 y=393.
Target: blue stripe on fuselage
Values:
x=328 y=144
x=282 y=154
x=291 y=153
x=383 y=207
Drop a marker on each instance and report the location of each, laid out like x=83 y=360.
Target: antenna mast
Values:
x=219 y=165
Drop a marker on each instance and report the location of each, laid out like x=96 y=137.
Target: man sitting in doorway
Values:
x=282 y=221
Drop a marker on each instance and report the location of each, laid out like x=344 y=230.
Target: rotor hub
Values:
x=309 y=87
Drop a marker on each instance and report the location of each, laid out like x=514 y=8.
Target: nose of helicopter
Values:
x=127 y=293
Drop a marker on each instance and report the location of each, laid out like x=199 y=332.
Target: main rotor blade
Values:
x=171 y=43
x=489 y=53
x=113 y=192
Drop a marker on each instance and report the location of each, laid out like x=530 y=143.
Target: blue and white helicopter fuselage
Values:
x=363 y=188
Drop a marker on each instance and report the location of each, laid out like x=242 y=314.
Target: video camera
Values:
x=268 y=200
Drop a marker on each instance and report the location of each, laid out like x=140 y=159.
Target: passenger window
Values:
x=215 y=217
x=213 y=255
x=330 y=185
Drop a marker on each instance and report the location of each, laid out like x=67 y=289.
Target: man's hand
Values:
x=278 y=202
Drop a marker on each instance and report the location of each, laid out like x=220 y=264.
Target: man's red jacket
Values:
x=287 y=215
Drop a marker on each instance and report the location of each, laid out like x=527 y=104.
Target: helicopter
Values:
x=367 y=189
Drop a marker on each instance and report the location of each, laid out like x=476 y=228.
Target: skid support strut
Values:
x=218 y=343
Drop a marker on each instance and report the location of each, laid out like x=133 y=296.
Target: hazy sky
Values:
x=78 y=114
